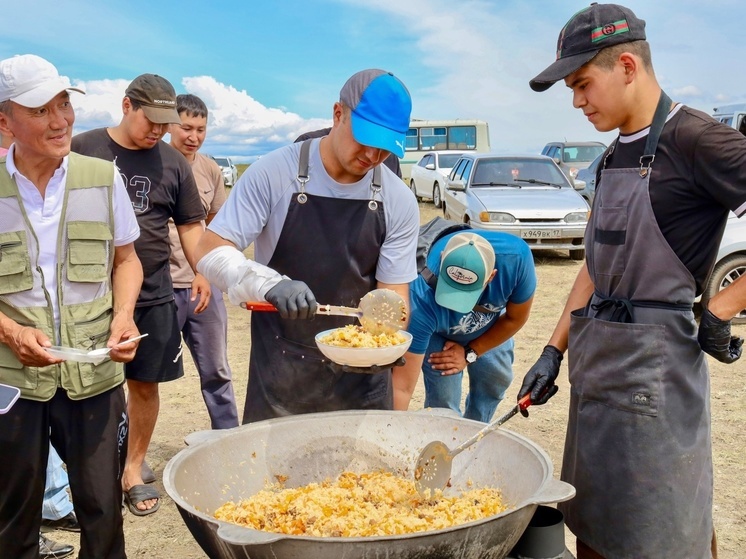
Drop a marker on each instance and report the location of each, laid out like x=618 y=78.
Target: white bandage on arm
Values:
x=242 y=279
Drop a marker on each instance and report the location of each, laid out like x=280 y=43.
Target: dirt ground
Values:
x=164 y=535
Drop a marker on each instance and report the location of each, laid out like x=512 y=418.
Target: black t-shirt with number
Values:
x=699 y=173
x=160 y=185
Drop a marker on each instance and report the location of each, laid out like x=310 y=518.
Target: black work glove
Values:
x=293 y=299
x=714 y=338
x=539 y=380
x=337 y=368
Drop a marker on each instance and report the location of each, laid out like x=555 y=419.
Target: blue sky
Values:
x=270 y=70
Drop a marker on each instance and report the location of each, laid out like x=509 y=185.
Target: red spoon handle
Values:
x=259 y=306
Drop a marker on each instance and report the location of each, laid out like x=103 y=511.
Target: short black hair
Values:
x=191 y=105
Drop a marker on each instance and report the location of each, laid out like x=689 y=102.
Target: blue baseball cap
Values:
x=380 y=107
x=465 y=268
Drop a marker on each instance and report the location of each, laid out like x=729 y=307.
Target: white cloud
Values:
x=238 y=124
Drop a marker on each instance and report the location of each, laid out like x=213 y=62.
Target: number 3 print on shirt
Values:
x=141 y=186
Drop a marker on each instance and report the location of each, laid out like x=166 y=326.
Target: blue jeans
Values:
x=489 y=377
x=57 y=502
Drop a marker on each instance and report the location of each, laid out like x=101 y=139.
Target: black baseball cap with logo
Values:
x=157 y=97
x=588 y=31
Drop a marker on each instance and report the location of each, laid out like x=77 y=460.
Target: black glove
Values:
x=539 y=380
x=337 y=368
x=293 y=299
x=714 y=338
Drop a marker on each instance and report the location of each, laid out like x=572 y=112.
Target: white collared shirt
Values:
x=44 y=216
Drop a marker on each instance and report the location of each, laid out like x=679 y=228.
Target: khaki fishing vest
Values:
x=85 y=257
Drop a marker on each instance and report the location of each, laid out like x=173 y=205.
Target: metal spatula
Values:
x=380 y=311
x=433 y=468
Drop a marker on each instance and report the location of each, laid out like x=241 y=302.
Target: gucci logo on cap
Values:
x=609 y=29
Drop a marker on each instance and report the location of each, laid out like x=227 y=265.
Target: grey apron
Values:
x=638 y=447
x=333 y=245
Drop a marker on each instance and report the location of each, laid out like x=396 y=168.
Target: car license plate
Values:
x=540 y=233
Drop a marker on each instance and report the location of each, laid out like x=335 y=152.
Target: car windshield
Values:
x=448 y=159
x=581 y=154
x=517 y=172
x=223 y=161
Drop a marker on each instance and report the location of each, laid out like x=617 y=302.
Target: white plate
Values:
x=75 y=354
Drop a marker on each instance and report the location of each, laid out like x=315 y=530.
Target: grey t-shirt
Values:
x=256 y=209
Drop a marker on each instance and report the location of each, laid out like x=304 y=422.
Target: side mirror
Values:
x=578 y=184
x=430 y=166
x=457 y=184
x=556 y=160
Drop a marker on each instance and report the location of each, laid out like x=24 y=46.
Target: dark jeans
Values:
x=88 y=434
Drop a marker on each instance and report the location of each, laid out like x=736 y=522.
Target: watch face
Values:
x=471 y=356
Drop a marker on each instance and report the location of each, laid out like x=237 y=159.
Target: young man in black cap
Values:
x=161 y=186
x=327 y=214
x=638 y=446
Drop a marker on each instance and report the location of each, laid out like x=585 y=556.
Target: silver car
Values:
x=526 y=196
x=573 y=156
x=230 y=173
x=428 y=177
x=585 y=182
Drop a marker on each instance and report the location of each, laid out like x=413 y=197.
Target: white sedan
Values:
x=429 y=176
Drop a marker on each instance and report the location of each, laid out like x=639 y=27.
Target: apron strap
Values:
x=622 y=310
x=305 y=150
x=651 y=144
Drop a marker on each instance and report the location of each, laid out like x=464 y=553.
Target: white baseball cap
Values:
x=31 y=81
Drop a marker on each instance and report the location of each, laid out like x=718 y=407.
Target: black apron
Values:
x=638 y=447
x=332 y=245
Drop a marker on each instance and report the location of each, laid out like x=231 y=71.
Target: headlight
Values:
x=496 y=217
x=577 y=217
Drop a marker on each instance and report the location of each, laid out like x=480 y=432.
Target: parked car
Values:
x=731 y=262
x=526 y=196
x=573 y=156
x=430 y=174
x=585 y=182
x=230 y=173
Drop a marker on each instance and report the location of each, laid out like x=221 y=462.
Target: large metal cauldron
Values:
x=235 y=464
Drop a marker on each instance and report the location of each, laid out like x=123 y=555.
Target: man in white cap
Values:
x=161 y=186
x=474 y=293
x=69 y=276
x=327 y=214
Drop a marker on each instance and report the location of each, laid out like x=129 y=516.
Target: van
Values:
x=732 y=115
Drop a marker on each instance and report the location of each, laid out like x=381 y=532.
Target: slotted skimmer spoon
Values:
x=433 y=468
x=380 y=311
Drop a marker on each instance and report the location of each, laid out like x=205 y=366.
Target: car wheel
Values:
x=727 y=271
x=436 y=196
x=413 y=188
x=577 y=254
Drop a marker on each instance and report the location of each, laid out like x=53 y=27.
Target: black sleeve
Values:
x=720 y=165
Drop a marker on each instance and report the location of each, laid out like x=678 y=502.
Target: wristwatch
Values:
x=469 y=354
